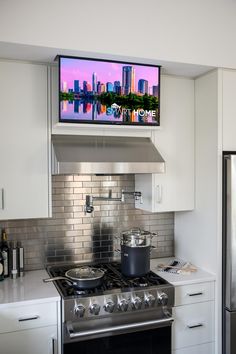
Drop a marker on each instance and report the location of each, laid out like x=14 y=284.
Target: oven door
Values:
x=135 y=335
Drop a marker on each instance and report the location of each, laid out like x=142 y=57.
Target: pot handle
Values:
x=152 y=248
x=153 y=234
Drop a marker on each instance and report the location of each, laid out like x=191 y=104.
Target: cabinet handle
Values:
x=159 y=193
x=2 y=199
x=195 y=326
x=195 y=294
x=22 y=319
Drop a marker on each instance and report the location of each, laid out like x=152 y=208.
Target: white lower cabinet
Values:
x=32 y=341
x=197 y=349
x=30 y=329
x=193 y=330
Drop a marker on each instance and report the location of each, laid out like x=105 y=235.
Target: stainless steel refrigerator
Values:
x=229 y=253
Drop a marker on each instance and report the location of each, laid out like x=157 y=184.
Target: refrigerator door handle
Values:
x=229 y=227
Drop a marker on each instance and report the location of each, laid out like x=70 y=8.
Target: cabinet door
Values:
x=229 y=110
x=24 y=141
x=174 y=189
x=33 y=341
x=193 y=324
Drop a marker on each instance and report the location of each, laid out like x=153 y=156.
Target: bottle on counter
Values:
x=20 y=259
x=14 y=260
x=1 y=267
x=5 y=253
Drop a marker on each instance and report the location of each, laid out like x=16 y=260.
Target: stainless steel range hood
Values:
x=106 y=155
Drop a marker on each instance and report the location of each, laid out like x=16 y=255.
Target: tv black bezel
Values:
x=106 y=123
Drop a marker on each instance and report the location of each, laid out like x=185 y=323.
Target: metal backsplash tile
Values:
x=72 y=236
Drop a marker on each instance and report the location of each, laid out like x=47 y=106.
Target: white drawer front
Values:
x=190 y=294
x=207 y=348
x=193 y=324
x=25 y=317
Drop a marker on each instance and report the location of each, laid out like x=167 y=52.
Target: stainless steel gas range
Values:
x=122 y=315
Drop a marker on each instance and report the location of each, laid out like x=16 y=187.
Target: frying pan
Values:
x=82 y=277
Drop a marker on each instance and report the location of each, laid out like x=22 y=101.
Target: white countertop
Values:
x=199 y=276
x=29 y=289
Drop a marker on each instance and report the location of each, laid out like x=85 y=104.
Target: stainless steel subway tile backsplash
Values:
x=72 y=236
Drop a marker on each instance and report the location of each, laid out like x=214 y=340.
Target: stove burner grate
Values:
x=113 y=280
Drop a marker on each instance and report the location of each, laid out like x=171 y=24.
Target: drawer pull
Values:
x=195 y=294
x=22 y=319
x=195 y=326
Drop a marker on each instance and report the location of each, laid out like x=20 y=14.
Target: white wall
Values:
x=188 y=31
x=198 y=233
x=199 y=227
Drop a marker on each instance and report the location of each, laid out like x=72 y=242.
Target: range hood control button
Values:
x=94 y=309
x=79 y=310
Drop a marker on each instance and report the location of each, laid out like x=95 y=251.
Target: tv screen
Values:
x=108 y=92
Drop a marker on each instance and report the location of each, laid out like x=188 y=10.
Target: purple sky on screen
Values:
x=82 y=70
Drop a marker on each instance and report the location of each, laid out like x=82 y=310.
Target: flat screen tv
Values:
x=99 y=91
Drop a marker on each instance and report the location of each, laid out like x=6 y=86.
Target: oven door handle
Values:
x=138 y=325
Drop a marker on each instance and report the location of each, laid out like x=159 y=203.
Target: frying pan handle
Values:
x=47 y=280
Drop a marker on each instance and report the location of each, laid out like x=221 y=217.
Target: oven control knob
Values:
x=94 y=309
x=109 y=306
x=123 y=305
x=149 y=300
x=162 y=299
x=136 y=303
x=79 y=310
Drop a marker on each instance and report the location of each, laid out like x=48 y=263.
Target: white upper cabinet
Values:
x=174 y=189
x=24 y=141
x=229 y=110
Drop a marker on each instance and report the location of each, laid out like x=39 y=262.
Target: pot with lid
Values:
x=136 y=246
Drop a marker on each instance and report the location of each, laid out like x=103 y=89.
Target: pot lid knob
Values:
x=136 y=230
